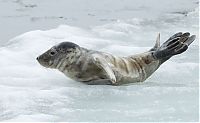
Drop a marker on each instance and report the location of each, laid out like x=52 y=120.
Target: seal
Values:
x=95 y=67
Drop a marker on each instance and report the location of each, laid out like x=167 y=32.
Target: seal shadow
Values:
x=156 y=84
x=99 y=82
x=146 y=84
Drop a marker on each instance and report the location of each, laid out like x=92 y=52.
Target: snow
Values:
x=30 y=92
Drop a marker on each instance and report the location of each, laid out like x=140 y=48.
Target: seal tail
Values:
x=176 y=44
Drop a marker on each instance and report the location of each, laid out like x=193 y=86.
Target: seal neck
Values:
x=66 y=63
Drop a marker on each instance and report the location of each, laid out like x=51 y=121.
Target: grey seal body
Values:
x=94 y=67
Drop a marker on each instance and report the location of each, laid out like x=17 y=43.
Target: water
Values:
x=30 y=92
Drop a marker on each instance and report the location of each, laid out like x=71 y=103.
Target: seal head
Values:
x=52 y=58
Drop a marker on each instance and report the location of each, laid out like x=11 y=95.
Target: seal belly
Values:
x=92 y=72
x=131 y=69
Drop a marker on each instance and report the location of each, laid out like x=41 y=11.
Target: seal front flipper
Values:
x=101 y=62
x=176 y=44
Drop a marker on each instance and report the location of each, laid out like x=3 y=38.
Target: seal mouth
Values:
x=44 y=63
x=51 y=65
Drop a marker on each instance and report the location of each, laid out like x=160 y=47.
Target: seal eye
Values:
x=60 y=49
x=52 y=53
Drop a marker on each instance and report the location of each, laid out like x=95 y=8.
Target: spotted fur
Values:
x=94 y=67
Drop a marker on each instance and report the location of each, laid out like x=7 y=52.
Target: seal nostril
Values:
x=37 y=58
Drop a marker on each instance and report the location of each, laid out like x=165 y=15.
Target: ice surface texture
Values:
x=29 y=92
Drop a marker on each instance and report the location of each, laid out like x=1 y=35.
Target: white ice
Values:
x=29 y=92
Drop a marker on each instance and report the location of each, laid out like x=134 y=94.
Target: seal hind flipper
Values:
x=190 y=40
x=157 y=45
x=99 y=61
x=176 y=44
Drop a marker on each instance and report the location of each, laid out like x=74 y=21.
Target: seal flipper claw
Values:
x=176 y=44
